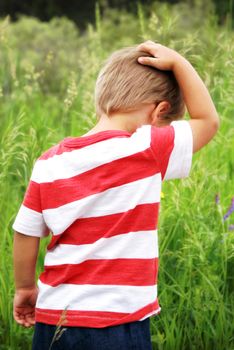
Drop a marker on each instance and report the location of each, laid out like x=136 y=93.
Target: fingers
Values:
x=149 y=46
x=147 y=60
x=29 y=320
x=25 y=320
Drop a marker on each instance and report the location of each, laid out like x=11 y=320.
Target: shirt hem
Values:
x=94 y=319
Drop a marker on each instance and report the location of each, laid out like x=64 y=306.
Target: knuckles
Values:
x=148 y=44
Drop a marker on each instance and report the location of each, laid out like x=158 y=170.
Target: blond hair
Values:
x=123 y=85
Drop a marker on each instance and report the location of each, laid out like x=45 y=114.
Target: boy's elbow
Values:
x=203 y=131
x=215 y=123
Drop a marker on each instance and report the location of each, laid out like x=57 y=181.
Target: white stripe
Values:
x=135 y=245
x=73 y=163
x=30 y=222
x=112 y=201
x=154 y=312
x=181 y=157
x=88 y=297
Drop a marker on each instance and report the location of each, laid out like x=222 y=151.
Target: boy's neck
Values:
x=116 y=122
x=123 y=121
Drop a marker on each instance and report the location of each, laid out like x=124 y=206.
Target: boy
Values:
x=99 y=195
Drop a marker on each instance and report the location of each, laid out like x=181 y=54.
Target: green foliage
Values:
x=47 y=78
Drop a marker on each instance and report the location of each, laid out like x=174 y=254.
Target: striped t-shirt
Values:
x=98 y=195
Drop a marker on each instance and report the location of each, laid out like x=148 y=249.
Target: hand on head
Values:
x=162 y=57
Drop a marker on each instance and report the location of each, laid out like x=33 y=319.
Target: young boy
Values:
x=99 y=196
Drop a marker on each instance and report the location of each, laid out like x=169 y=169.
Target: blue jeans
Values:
x=128 y=336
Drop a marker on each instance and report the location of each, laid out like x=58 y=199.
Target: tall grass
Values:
x=47 y=76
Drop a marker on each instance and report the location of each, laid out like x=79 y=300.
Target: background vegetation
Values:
x=47 y=76
x=82 y=12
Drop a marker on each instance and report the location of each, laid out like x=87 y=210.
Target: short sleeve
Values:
x=30 y=220
x=172 y=146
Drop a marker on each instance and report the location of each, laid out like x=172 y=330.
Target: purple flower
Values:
x=231 y=227
x=230 y=210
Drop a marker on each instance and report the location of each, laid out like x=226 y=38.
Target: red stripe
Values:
x=70 y=144
x=162 y=143
x=129 y=272
x=32 y=197
x=93 y=319
x=52 y=151
x=99 y=179
x=88 y=230
x=57 y=150
x=82 y=141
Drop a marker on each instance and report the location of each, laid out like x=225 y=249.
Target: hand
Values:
x=24 y=306
x=163 y=57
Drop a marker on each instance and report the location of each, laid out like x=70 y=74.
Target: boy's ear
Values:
x=159 y=112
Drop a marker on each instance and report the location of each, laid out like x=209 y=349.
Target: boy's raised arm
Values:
x=204 y=118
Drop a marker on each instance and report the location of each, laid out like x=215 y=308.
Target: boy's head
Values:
x=124 y=85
